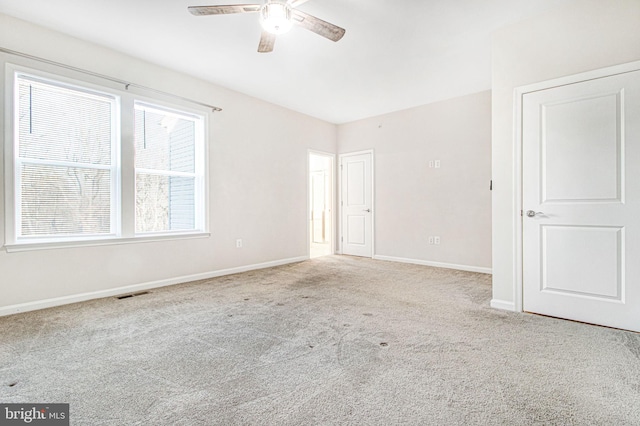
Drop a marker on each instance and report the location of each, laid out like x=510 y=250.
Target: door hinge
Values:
x=341 y=239
x=521 y=213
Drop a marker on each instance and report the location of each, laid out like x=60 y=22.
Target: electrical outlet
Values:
x=436 y=240
x=436 y=164
x=431 y=164
x=238 y=243
x=431 y=240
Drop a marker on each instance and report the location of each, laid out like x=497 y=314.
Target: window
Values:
x=166 y=172
x=66 y=166
x=67 y=178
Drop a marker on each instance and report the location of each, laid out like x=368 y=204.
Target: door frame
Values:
x=332 y=173
x=373 y=199
x=518 y=160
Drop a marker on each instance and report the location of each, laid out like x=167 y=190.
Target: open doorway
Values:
x=320 y=204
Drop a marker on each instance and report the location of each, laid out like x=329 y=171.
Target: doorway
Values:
x=320 y=204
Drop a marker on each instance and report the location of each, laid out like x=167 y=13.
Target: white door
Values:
x=357 y=204
x=321 y=190
x=581 y=201
x=319 y=206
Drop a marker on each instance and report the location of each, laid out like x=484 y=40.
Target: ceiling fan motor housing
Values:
x=275 y=17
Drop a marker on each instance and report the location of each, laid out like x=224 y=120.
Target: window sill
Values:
x=19 y=247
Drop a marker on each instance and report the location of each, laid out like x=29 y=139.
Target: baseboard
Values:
x=503 y=305
x=75 y=298
x=435 y=264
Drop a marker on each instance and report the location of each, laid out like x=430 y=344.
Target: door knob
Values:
x=367 y=210
x=531 y=213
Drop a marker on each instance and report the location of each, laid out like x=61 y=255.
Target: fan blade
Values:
x=267 y=40
x=318 y=26
x=223 y=10
x=296 y=3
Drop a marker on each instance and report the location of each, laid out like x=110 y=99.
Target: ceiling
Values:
x=395 y=54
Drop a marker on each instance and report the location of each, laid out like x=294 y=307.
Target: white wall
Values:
x=258 y=185
x=413 y=201
x=587 y=35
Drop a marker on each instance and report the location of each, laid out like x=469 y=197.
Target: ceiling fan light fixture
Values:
x=275 y=17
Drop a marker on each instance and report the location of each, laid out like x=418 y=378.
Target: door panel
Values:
x=357 y=197
x=581 y=201
x=601 y=278
x=356 y=230
x=356 y=187
x=593 y=147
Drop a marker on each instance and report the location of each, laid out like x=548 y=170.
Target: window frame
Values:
x=123 y=165
x=114 y=167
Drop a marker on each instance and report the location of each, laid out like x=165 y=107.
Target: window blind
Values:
x=65 y=144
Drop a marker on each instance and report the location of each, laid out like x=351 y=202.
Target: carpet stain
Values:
x=311 y=281
x=632 y=343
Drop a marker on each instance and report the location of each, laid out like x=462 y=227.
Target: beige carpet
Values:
x=334 y=340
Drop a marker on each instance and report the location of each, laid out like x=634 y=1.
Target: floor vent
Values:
x=126 y=296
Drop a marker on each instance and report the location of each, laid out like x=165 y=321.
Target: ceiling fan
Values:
x=276 y=17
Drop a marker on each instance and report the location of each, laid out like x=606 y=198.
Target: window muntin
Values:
x=66 y=167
